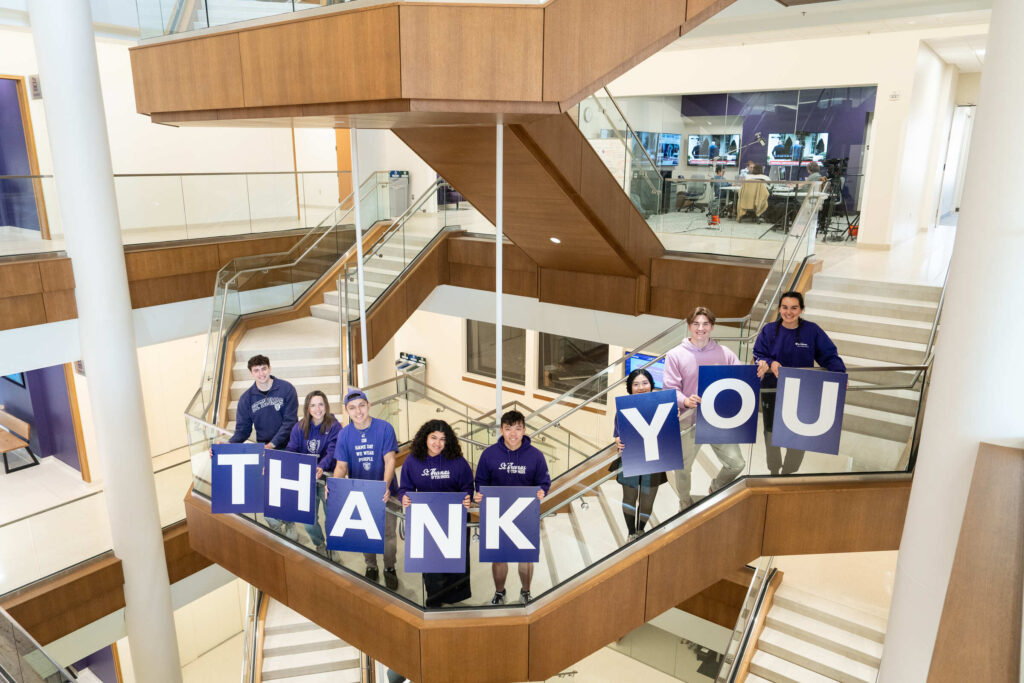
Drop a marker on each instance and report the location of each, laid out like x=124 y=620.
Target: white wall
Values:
x=381 y=150
x=888 y=60
x=967 y=86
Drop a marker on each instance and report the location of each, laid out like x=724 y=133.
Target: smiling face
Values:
x=513 y=435
x=435 y=444
x=317 y=409
x=789 y=310
x=359 y=412
x=260 y=373
x=640 y=385
x=700 y=330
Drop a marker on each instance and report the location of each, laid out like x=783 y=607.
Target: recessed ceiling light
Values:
x=980 y=53
x=556 y=240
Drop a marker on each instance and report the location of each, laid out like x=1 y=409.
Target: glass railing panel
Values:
x=28 y=209
x=743 y=631
x=216 y=205
x=22 y=659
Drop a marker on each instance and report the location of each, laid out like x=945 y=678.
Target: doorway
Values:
x=21 y=198
x=955 y=168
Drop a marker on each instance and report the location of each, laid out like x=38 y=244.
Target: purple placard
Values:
x=355 y=515
x=435 y=533
x=649 y=428
x=509 y=524
x=237 y=478
x=809 y=410
x=289 y=487
x=728 y=409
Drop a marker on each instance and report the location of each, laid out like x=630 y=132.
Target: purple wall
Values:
x=44 y=403
x=101 y=663
x=17 y=197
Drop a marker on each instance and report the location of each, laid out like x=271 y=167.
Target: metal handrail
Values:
x=625 y=143
x=626 y=122
x=766 y=578
x=177 y=175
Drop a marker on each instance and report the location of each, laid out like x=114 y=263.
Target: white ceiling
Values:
x=761 y=21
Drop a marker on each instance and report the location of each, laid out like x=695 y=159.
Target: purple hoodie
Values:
x=437 y=474
x=524 y=466
x=682 y=363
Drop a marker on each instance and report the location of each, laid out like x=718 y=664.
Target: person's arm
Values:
x=730 y=357
x=289 y=416
x=340 y=459
x=763 y=350
x=405 y=485
x=542 y=477
x=826 y=353
x=295 y=440
x=327 y=462
x=389 y=473
x=483 y=476
x=673 y=377
x=243 y=420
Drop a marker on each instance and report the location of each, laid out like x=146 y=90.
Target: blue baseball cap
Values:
x=353 y=394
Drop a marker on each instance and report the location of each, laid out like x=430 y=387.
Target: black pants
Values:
x=773 y=454
x=637 y=504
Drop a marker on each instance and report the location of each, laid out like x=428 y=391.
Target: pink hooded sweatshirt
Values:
x=681 y=365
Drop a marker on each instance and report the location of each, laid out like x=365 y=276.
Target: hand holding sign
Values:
x=355 y=515
x=649 y=427
x=809 y=410
x=728 y=408
x=237 y=477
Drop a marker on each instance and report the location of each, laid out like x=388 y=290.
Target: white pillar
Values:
x=499 y=174
x=356 y=202
x=66 y=51
x=975 y=391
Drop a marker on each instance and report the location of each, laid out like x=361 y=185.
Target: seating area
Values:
x=15 y=435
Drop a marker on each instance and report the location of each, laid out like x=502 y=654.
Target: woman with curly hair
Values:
x=435 y=464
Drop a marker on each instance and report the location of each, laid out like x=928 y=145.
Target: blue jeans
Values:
x=315 y=531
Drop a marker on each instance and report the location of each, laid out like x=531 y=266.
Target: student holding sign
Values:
x=790 y=342
x=317 y=434
x=639 y=491
x=512 y=462
x=435 y=464
x=366 y=449
x=681 y=367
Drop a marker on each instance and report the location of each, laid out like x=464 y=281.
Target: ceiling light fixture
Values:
x=556 y=240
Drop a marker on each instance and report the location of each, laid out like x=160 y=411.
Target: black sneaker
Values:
x=525 y=596
x=499 y=598
x=372 y=573
x=391 y=578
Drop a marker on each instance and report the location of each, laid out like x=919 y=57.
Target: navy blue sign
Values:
x=649 y=427
x=289 y=487
x=728 y=404
x=355 y=515
x=435 y=533
x=809 y=410
x=237 y=477
x=509 y=524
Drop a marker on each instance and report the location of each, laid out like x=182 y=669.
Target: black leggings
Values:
x=637 y=515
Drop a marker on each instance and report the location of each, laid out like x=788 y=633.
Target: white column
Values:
x=975 y=392
x=66 y=51
x=499 y=174
x=356 y=202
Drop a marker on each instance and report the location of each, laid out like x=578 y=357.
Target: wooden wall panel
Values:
x=22 y=311
x=516 y=282
x=471 y=53
x=154 y=263
x=723 y=538
x=699 y=11
x=19 y=279
x=182 y=559
x=611 y=293
x=835 y=519
x=721 y=602
x=500 y=652
x=165 y=290
x=979 y=636
x=56 y=274
x=250 y=247
x=674 y=303
x=598 y=611
x=590 y=41
x=564 y=152
x=188 y=75
x=712 y=277
x=344 y=57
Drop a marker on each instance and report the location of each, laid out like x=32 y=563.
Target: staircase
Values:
x=877 y=324
x=296 y=649
x=809 y=639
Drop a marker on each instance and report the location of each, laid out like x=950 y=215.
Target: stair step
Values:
x=302 y=648
x=901 y=352
x=900 y=290
x=292 y=368
x=325 y=312
x=778 y=670
x=899 y=401
x=596 y=532
x=891 y=377
x=834 y=638
x=290 y=628
x=754 y=678
x=874 y=326
x=311 y=669
x=276 y=354
x=864 y=304
x=836 y=614
x=878 y=423
x=564 y=547
x=815 y=658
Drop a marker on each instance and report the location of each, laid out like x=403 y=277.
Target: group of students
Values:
x=790 y=341
x=366 y=448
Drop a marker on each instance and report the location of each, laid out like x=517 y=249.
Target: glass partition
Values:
x=22 y=659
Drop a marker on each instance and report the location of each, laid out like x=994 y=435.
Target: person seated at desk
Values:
x=717 y=183
x=814 y=171
x=758 y=174
x=747 y=171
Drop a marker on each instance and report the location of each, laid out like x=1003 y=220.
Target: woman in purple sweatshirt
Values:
x=790 y=342
x=316 y=434
x=435 y=464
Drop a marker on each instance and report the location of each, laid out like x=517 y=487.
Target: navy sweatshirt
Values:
x=317 y=443
x=524 y=466
x=798 y=348
x=435 y=474
x=273 y=415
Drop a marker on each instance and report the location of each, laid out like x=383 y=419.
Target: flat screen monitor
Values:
x=796 y=149
x=657 y=370
x=668 y=149
x=711 y=150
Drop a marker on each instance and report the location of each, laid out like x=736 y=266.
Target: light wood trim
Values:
x=295 y=169
x=758 y=628
x=570 y=404
x=117 y=663
x=15 y=425
x=76 y=421
x=343 y=147
x=485 y=383
x=30 y=149
x=806 y=280
x=979 y=636
x=261 y=625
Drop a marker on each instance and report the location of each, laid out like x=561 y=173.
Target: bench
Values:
x=15 y=434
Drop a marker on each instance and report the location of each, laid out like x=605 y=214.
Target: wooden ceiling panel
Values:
x=204 y=73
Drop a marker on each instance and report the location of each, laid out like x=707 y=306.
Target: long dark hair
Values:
x=307 y=421
x=636 y=373
x=452 y=449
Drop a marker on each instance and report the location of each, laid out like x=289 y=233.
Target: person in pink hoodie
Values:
x=681 y=365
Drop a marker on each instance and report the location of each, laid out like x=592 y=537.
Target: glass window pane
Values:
x=566 y=361
x=480 y=351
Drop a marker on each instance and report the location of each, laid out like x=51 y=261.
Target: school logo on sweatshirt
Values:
x=433 y=473
x=275 y=402
x=313 y=445
x=512 y=469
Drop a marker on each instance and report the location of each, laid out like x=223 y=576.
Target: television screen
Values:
x=648 y=140
x=668 y=149
x=796 y=149
x=657 y=370
x=710 y=150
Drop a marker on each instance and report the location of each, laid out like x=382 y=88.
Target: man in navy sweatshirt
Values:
x=272 y=407
x=512 y=462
